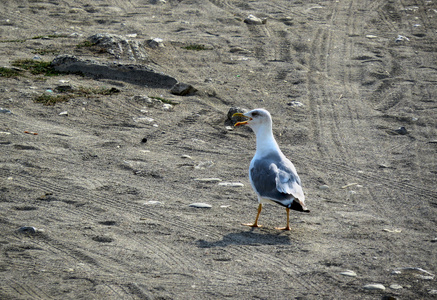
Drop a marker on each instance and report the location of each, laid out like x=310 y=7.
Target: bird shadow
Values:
x=249 y=237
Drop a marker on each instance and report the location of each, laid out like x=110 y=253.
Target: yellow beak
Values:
x=241 y=116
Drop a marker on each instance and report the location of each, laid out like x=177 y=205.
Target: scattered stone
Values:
x=239 y=50
x=102 y=239
x=396 y=286
x=432 y=292
x=119 y=46
x=374 y=287
x=371 y=36
x=401 y=130
x=208 y=179
x=5 y=111
x=183 y=89
x=348 y=185
x=27 y=229
x=231 y=184
x=229 y=128
x=63 y=113
x=417 y=272
x=349 y=273
x=402 y=38
x=295 y=104
x=167 y=106
x=144 y=140
x=153 y=202
x=136 y=74
x=156 y=43
x=162 y=2
x=186 y=156
x=392 y=230
x=143 y=119
x=200 y=205
x=204 y=165
x=324 y=187
x=251 y=19
x=150 y=102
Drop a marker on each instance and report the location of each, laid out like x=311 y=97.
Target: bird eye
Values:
x=254 y=114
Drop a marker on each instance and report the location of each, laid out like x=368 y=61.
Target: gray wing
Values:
x=274 y=177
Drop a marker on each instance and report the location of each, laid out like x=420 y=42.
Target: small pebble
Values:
x=251 y=19
x=5 y=111
x=208 y=179
x=418 y=272
x=349 y=185
x=200 y=205
x=371 y=36
x=167 y=106
x=401 y=131
x=152 y=202
x=204 y=165
x=396 y=286
x=144 y=140
x=349 y=273
x=231 y=184
x=324 y=187
x=432 y=292
x=143 y=119
x=295 y=104
x=392 y=230
x=186 y=156
x=64 y=113
x=229 y=128
x=27 y=229
x=374 y=287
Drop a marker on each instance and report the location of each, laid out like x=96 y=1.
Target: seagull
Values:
x=273 y=177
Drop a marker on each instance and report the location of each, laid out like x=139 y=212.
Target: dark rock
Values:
x=183 y=89
x=136 y=74
x=27 y=229
x=230 y=121
x=401 y=131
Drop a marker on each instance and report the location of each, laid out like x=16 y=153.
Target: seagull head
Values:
x=255 y=119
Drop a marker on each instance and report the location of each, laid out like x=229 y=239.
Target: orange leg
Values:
x=288 y=221
x=255 y=224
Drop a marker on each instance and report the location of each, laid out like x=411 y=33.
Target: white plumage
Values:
x=273 y=177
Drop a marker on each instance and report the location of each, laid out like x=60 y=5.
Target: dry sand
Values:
x=108 y=190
